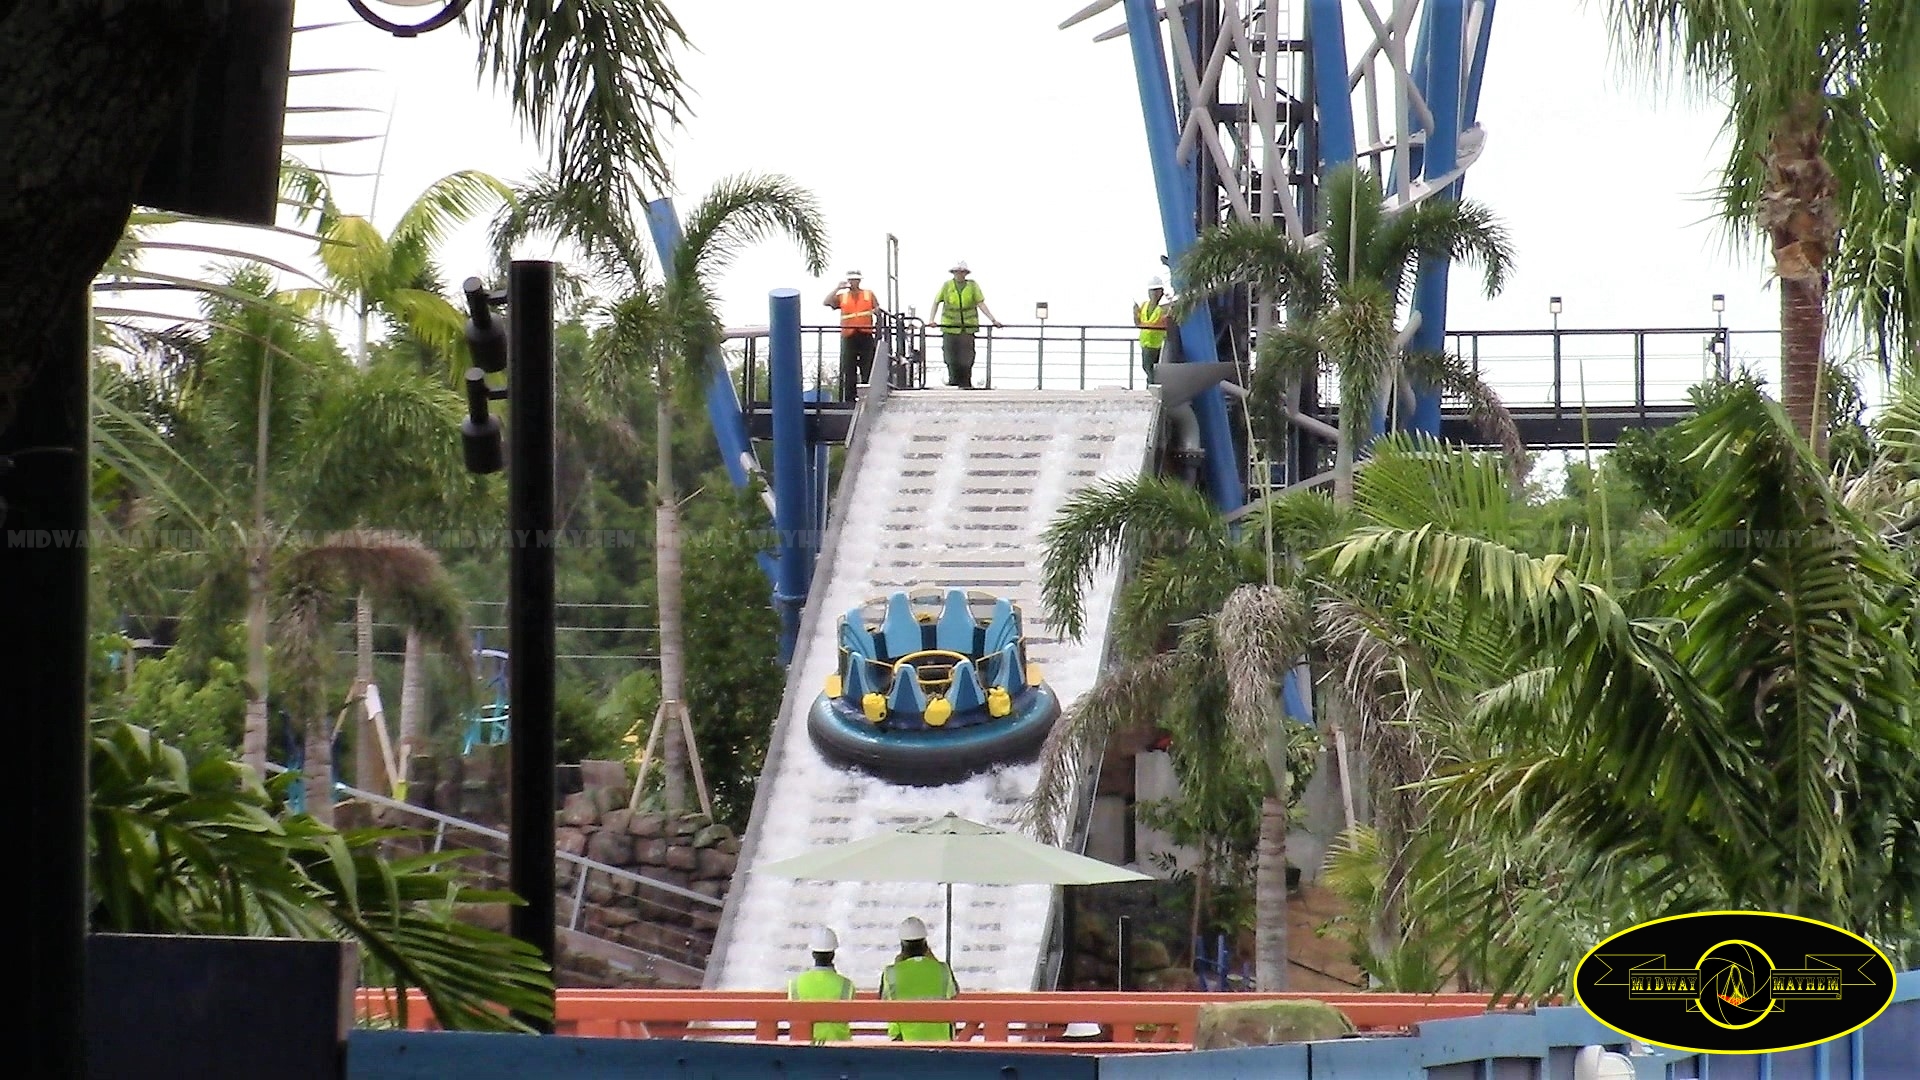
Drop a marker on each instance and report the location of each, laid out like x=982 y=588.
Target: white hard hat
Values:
x=912 y=929
x=957 y=267
x=1156 y=283
x=1082 y=1029
x=823 y=940
x=853 y=273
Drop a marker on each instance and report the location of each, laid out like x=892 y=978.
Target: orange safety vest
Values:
x=856 y=311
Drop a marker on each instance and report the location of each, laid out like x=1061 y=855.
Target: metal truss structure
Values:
x=1247 y=105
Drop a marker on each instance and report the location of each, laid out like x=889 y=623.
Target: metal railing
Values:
x=661 y=902
x=1532 y=370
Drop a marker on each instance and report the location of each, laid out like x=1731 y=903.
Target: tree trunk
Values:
x=1797 y=210
x=1343 y=471
x=318 y=771
x=369 y=772
x=253 y=737
x=413 y=708
x=1270 y=897
x=666 y=547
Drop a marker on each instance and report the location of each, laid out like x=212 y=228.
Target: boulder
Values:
x=1150 y=955
x=711 y=835
x=731 y=845
x=616 y=820
x=1267 y=1023
x=599 y=889
x=648 y=824
x=579 y=810
x=713 y=864
x=606 y=799
x=716 y=890
x=682 y=858
x=571 y=841
x=687 y=824
x=607 y=846
x=1169 y=979
x=650 y=852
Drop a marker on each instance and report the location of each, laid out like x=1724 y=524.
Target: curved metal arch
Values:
x=445 y=15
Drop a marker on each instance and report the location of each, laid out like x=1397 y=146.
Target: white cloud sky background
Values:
x=983 y=132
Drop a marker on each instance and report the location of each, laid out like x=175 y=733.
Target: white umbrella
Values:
x=950 y=850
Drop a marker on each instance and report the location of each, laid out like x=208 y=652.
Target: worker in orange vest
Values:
x=856 y=332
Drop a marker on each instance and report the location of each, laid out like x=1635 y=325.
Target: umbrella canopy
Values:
x=951 y=850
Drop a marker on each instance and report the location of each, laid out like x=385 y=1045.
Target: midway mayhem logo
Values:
x=1740 y=982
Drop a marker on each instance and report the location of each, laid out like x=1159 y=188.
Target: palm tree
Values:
x=1342 y=292
x=1209 y=622
x=395 y=277
x=1782 y=67
x=270 y=427
x=1735 y=732
x=665 y=329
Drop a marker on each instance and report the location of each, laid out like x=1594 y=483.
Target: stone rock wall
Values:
x=666 y=906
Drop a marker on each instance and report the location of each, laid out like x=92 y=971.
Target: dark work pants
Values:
x=959 y=355
x=856 y=362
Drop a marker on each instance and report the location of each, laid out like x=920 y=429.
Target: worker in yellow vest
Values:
x=822 y=983
x=1153 y=321
x=917 y=975
x=856 y=306
x=957 y=308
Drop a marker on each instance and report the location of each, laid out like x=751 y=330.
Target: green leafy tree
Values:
x=1342 y=298
x=663 y=330
x=1793 y=73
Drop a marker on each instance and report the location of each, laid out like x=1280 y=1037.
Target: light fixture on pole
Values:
x=1719 y=309
x=1040 y=351
x=1553 y=305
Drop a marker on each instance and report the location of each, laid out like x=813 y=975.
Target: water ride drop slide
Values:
x=925 y=610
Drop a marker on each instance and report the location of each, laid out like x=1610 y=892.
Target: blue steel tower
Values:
x=1247 y=106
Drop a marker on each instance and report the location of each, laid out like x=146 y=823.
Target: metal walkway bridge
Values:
x=1565 y=387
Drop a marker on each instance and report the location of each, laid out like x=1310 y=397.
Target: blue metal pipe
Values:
x=723 y=400
x=1445 y=28
x=1327 y=42
x=790 y=511
x=1174 y=189
x=1471 y=114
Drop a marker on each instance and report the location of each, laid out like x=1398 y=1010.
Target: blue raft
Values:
x=932 y=689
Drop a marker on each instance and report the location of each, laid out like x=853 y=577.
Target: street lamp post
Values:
x=1040 y=359
x=1553 y=305
x=1722 y=349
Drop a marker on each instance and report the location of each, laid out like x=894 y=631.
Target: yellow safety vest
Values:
x=823 y=984
x=918 y=978
x=960 y=310
x=1146 y=313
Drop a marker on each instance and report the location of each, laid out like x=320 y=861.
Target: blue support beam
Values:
x=791 y=507
x=1175 y=190
x=1333 y=106
x=723 y=401
x=1441 y=84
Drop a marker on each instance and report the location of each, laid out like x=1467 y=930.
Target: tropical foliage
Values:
x=1341 y=296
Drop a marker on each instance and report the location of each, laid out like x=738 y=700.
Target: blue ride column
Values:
x=1174 y=189
x=791 y=509
x=723 y=402
x=1441 y=86
x=1333 y=105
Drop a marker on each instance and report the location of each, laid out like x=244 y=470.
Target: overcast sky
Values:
x=984 y=133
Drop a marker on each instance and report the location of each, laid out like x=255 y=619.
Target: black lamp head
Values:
x=486 y=338
x=479 y=432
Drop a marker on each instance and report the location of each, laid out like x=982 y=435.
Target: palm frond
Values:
x=1115 y=522
x=1258 y=256
x=1440 y=229
x=594 y=80
x=1125 y=696
x=740 y=211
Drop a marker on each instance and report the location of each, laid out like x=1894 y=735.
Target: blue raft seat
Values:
x=1005 y=670
x=907 y=696
x=1002 y=627
x=966 y=691
x=900 y=631
x=954 y=632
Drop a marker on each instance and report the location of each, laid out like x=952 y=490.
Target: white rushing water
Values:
x=954 y=491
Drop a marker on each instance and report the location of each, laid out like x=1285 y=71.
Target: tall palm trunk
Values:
x=1797 y=210
x=318 y=770
x=1270 y=896
x=413 y=708
x=666 y=548
x=253 y=739
x=368 y=769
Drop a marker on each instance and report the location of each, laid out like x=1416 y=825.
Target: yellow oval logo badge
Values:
x=1734 y=982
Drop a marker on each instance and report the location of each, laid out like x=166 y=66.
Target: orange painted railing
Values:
x=1130 y=1021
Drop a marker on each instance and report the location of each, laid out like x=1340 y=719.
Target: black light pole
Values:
x=530 y=516
x=525 y=351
